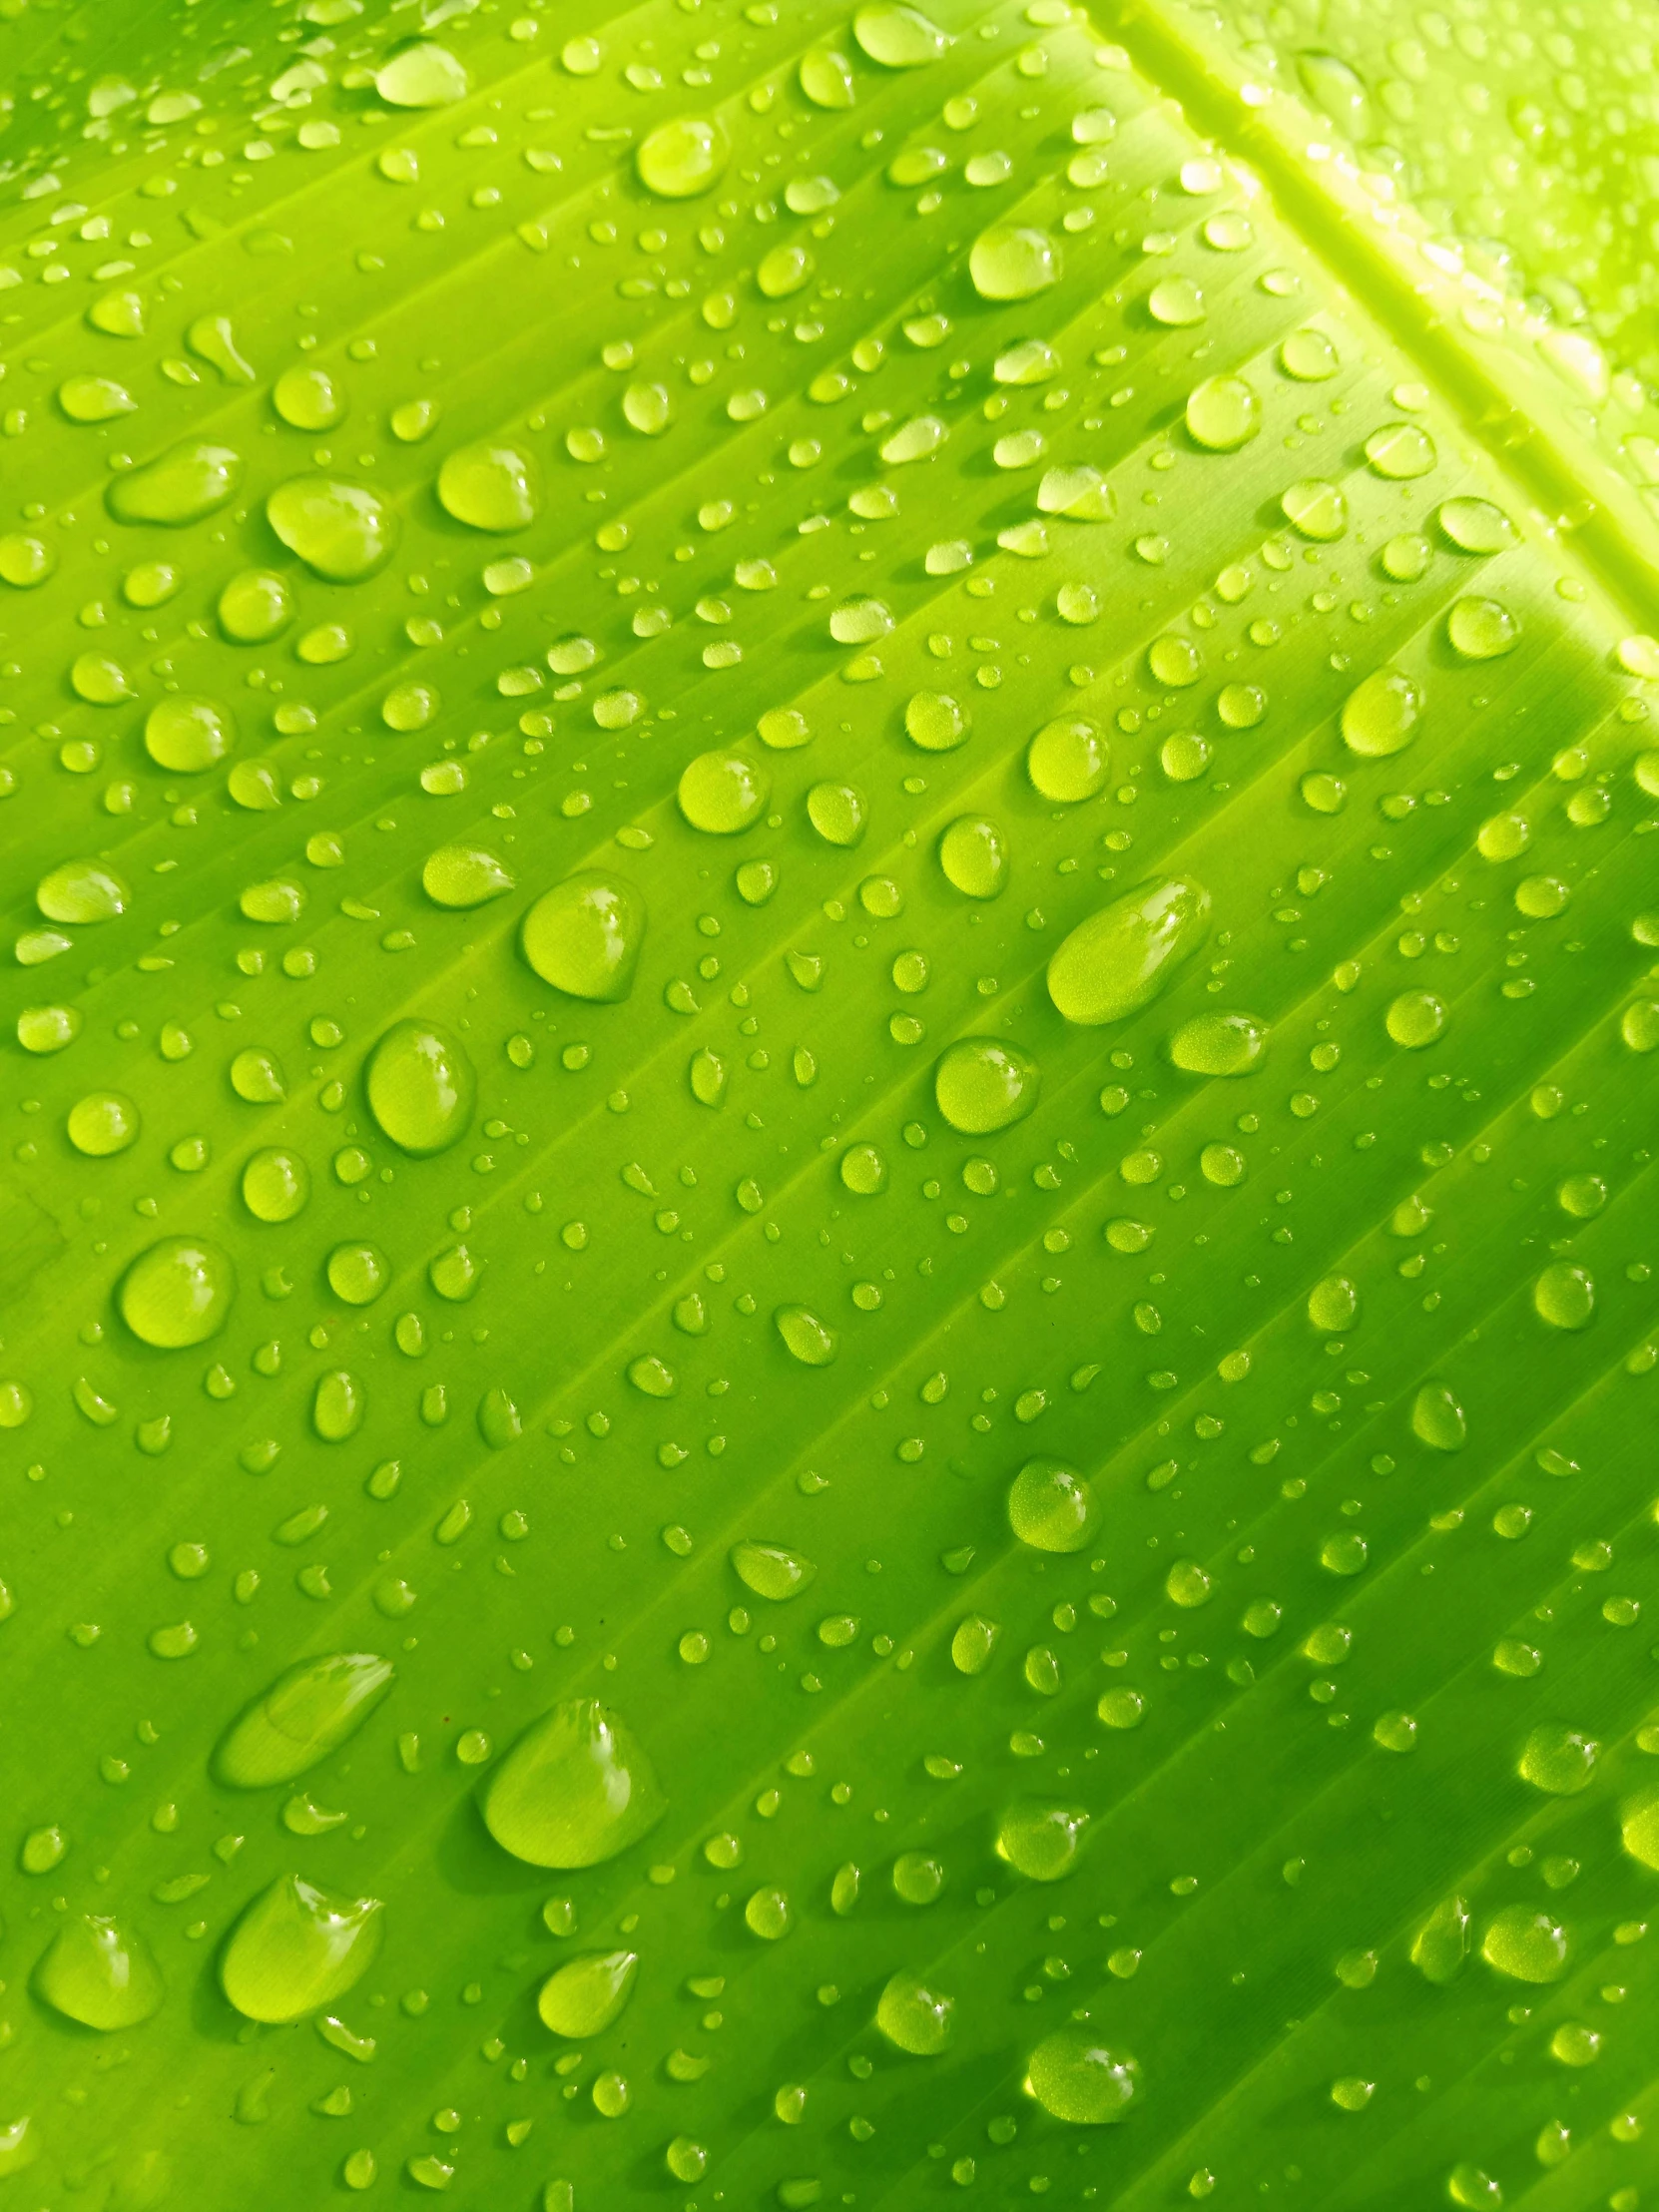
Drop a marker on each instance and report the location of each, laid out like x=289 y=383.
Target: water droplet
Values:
x=179 y=487
x=982 y=1085
x=1558 y=1760
x=899 y=37
x=464 y=875
x=1220 y=1044
x=1639 y=1832
x=1526 y=1945
x=722 y=792
x=1041 y=1841
x=1314 y=509
x=186 y=734
x=1013 y=262
x=81 y=892
x=275 y=1184
x=863 y=1170
x=308 y=398
x=306 y=1714
x=1076 y=2078
x=936 y=722
x=1415 y=1020
x=914 y=2017
x=1565 y=1295
x=1382 y=714
x=1080 y=493
x=25 y=561
x=358 y=1273
x=679 y=159
x=772 y=1571
x=826 y=78
x=1437 y=1420
x=973 y=855
x=422 y=75
x=1481 y=628
x=420 y=1087
x=1068 y=760
x=1223 y=413
x=178 y=1293
x=1051 y=1506
x=576 y=1788
x=1176 y=301
x=341 y=531
x=1117 y=960
x=973 y=1643
x=491 y=487
x=588 y=1992
x=1441 y=1944
x=254 y=606
x=1333 y=1304
x=1400 y=452
x=805 y=1338
x=101 y=1973
x=584 y=937
x=1309 y=357
x=297 y=1947
x=102 y=1123
x=837 y=812
x=1475 y=525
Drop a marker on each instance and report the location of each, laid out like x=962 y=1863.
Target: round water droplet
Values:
x=25 y=561
x=102 y=1123
x=1542 y=898
x=422 y=75
x=805 y=1338
x=1117 y=960
x=341 y=531
x=1481 y=628
x=913 y=2017
x=491 y=487
x=936 y=722
x=1314 y=509
x=308 y=398
x=1415 y=1019
x=772 y=1571
x=178 y=1293
x=863 y=1170
x=574 y=1789
x=180 y=486
x=1079 y=2079
x=679 y=159
x=1475 y=525
x=186 y=736
x=1068 y=760
x=1525 y=1944
x=584 y=937
x=1223 y=413
x=982 y=1085
x=464 y=875
x=1400 y=452
x=1565 y=1295
x=358 y=1273
x=46 y=1030
x=420 y=1087
x=1558 y=1760
x=275 y=1184
x=973 y=855
x=1051 y=1506
x=722 y=792
x=1220 y=1044
x=254 y=606
x=101 y=1973
x=81 y=892
x=1309 y=357
x=296 y=1949
x=588 y=1992
x=1013 y=262
x=305 y=1715
x=1333 y=1304
x=1176 y=301
x=1380 y=715
x=1041 y=1841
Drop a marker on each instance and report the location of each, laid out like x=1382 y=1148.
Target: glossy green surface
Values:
x=827 y=1335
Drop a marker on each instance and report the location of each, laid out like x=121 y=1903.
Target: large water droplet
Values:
x=308 y=398
x=772 y=1571
x=1051 y=1506
x=341 y=531
x=805 y=1338
x=913 y=2017
x=179 y=487
x=305 y=1715
x=275 y=1184
x=973 y=855
x=899 y=37
x=588 y=1992
x=81 y=892
x=1068 y=760
x=722 y=791
x=186 y=734
x=1041 y=1841
x=100 y=1972
x=1382 y=714
x=102 y=1123
x=1220 y=1044
x=1564 y=1296
x=254 y=606
x=1441 y=1944
x=491 y=487
x=576 y=1788
x=422 y=75
x=1415 y=1019
x=1437 y=1420
x=296 y=1949
x=982 y=1085
x=420 y=1087
x=1013 y=262
x=1223 y=413
x=1525 y=1944
x=1558 y=1760
x=464 y=875
x=178 y=1293
x=1120 y=958
x=584 y=937
x=679 y=159
x=1481 y=628
x=1077 y=2078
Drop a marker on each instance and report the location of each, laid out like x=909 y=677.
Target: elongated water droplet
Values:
x=82 y=891
x=576 y=1788
x=772 y=1571
x=1041 y=1841
x=1117 y=960
x=100 y=1972
x=341 y=531
x=1437 y=1420
x=899 y=37
x=305 y=1715
x=1077 y=2078
x=297 y=1947
x=588 y=1992
x=805 y=1338
x=464 y=875
x=1441 y=1944
x=422 y=75
x=1220 y=1044
x=179 y=487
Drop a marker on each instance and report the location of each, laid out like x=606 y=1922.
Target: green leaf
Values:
x=829 y=1207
